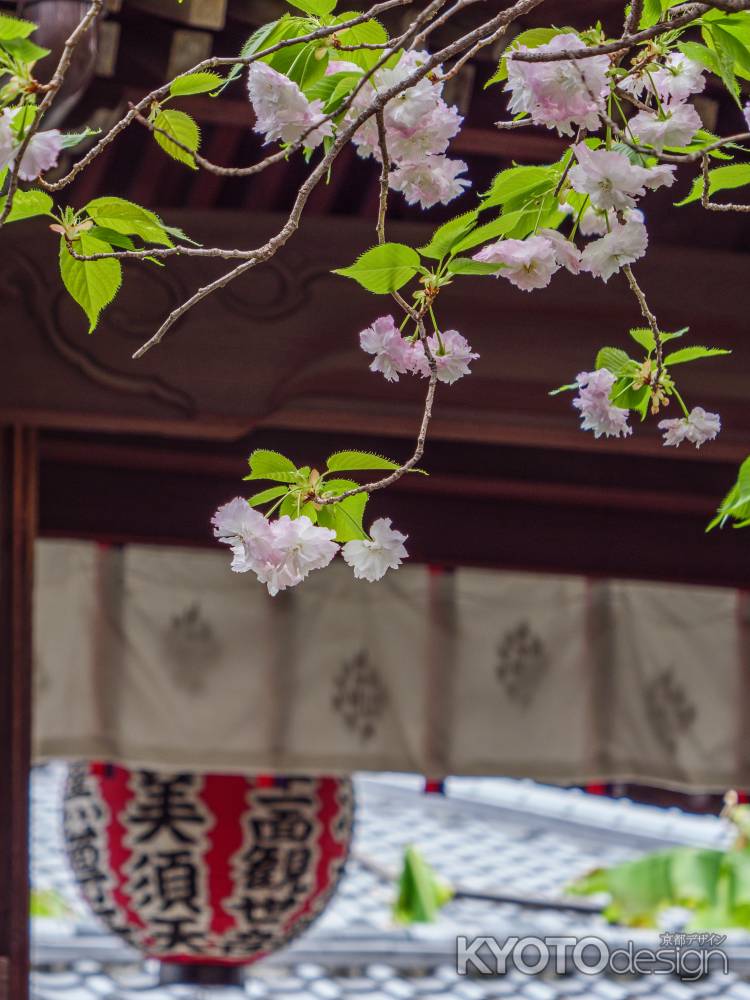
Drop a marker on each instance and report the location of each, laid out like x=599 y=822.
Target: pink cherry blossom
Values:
x=559 y=94
x=675 y=125
x=299 y=548
x=623 y=245
x=746 y=114
x=452 y=355
x=678 y=78
x=41 y=154
x=281 y=109
x=372 y=559
x=566 y=252
x=430 y=136
x=596 y=223
x=529 y=263
x=8 y=141
x=598 y=413
x=611 y=180
x=697 y=428
x=247 y=532
x=430 y=180
x=394 y=356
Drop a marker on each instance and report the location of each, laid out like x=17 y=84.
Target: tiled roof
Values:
x=515 y=839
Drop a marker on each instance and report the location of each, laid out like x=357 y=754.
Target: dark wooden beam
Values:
x=18 y=473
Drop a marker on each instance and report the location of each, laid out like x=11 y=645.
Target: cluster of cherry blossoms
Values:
x=397 y=355
x=419 y=124
x=282 y=112
x=610 y=184
x=561 y=93
x=41 y=153
x=283 y=552
x=600 y=414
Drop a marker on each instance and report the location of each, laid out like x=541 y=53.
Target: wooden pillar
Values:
x=18 y=480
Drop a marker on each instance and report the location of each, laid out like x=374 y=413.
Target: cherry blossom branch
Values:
x=621 y=44
x=214 y=62
x=393 y=477
x=252 y=257
x=649 y=317
x=294 y=147
x=52 y=88
x=384 y=176
x=265 y=252
x=633 y=18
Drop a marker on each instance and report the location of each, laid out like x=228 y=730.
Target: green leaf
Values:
x=14 y=27
x=519 y=181
x=332 y=88
x=347 y=518
x=645 y=337
x=616 y=361
x=265 y=464
x=27 y=204
x=501 y=226
x=735 y=49
x=94 y=283
x=693 y=354
x=130 y=219
x=717 y=42
x=720 y=179
x=449 y=233
x=368 y=33
x=273 y=493
x=350 y=461
x=465 y=265
x=181 y=127
x=112 y=237
x=650 y=15
x=318 y=8
x=384 y=268
x=195 y=83
x=24 y=50
x=420 y=893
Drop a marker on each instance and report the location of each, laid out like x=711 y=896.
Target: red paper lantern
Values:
x=205 y=869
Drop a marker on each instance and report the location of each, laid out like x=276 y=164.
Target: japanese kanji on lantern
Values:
x=205 y=869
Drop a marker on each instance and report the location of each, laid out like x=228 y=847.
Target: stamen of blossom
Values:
x=281 y=109
x=372 y=559
x=559 y=94
x=394 y=356
x=611 y=180
x=598 y=413
x=697 y=428
x=623 y=245
x=452 y=355
x=674 y=126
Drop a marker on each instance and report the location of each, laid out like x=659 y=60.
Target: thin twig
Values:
x=650 y=319
x=51 y=90
x=620 y=45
